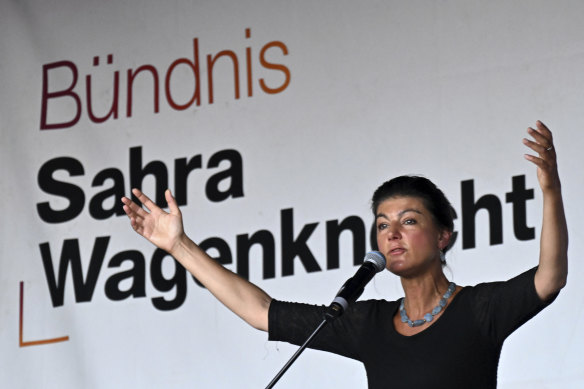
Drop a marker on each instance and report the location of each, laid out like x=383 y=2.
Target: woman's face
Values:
x=408 y=236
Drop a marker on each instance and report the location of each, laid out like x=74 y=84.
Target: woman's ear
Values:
x=444 y=239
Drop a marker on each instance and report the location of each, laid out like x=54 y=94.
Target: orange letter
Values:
x=248 y=62
x=269 y=65
x=211 y=63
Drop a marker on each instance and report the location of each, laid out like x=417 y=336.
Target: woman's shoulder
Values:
x=500 y=307
x=487 y=289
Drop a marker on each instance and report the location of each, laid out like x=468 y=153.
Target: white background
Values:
x=378 y=88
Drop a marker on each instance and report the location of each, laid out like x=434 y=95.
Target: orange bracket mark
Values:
x=22 y=343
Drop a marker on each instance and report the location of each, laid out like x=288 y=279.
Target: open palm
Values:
x=163 y=229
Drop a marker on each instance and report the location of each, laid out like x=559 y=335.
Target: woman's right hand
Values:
x=163 y=229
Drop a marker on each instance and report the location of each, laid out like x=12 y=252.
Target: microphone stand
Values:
x=374 y=262
x=334 y=311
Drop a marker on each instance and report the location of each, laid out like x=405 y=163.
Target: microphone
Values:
x=353 y=288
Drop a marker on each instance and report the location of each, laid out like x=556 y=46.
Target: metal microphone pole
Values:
x=296 y=355
x=332 y=312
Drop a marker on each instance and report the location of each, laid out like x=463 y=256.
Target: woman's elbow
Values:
x=259 y=320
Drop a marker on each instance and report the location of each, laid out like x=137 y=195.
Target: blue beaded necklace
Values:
x=429 y=316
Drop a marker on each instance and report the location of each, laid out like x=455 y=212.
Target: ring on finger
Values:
x=549 y=148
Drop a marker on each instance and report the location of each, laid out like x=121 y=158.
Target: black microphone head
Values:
x=377 y=259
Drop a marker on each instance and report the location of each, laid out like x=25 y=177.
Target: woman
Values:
x=439 y=334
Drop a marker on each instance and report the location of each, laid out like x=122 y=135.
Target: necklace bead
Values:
x=428 y=317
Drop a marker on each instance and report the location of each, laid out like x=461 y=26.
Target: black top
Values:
x=460 y=350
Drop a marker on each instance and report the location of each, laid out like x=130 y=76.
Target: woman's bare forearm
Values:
x=242 y=297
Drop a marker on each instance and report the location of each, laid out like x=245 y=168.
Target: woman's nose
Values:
x=393 y=233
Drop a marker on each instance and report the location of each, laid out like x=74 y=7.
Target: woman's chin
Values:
x=397 y=267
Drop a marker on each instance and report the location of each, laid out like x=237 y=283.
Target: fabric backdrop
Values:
x=272 y=122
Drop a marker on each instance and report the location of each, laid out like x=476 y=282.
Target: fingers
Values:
x=543 y=139
x=145 y=200
x=537 y=147
x=542 y=142
x=539 y=162
x=545 y=160
x=136 y=225
x=137 y=213
x=132 y=209
x=171 y=203
x=544 y=130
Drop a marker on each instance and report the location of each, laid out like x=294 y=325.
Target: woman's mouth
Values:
x=397 y=251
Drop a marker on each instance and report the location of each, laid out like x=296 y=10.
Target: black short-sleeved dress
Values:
x=460 y=350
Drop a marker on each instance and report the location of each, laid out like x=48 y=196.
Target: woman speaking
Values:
x=439 y=334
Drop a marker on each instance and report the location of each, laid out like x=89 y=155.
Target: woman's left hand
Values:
x=543 y=145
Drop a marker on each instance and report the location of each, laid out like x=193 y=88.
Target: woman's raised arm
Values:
x=552 y=273
x=165 y=230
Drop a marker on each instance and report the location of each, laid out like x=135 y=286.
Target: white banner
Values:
x=273 y=123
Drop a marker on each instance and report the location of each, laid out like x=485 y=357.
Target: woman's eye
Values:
x=410 y=221
x=381 y=226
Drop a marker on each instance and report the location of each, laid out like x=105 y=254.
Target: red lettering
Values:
x=50 y=119
x=62 y=93
x=195 y=67
x=114 y=108
x=131 y=77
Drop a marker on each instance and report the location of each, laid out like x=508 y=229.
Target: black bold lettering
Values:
x=162 y=284
x=292 y=248
x=97 y=207
x=244 y=243
x=518 y=197
x=491 y=204
x=71 y=192
x=234 y=172
x=70 y=254
x=373 y=236
x=334 y=230
x=155 y=168
x=454 y=236
x=137 y=274
x=182 y=169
